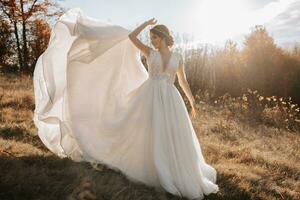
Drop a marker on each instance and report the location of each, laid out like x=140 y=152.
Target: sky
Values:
x=204 y=21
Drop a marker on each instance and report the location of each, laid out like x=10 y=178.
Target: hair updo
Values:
x=163 y=32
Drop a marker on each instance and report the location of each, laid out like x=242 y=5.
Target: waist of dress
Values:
x=162 y=76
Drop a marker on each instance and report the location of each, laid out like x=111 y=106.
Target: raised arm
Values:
x=185 y=85
x=133 y=37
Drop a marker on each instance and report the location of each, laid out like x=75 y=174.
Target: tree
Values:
x=228 y=72
x=6 y=43
x=39 y=35
x=259 y=54
x=20 y=14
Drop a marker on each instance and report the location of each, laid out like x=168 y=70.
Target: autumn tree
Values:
x=269 y=68
x=21 y=14
x=260 y=61
x=39 y=38
x=228 y=70
x=6 y=44
x=296 y=52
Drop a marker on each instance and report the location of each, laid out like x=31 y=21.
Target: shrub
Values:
x=272 y=111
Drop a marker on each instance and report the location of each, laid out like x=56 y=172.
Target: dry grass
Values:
x=253 y=162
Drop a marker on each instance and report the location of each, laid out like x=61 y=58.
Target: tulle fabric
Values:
x=96 y=102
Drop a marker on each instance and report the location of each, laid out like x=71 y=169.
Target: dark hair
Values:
x=163 y=32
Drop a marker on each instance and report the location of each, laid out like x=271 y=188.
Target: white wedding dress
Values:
x=96 y=102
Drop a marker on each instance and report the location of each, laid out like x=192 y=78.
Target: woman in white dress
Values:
x=96 y=102
x=162 y=40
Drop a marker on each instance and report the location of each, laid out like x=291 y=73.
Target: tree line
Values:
x=25 y=27
x=259 y=65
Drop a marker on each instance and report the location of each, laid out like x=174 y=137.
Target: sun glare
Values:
x=217 y=20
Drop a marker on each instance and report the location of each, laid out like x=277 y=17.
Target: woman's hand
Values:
x=151 y=21
x=194 y=111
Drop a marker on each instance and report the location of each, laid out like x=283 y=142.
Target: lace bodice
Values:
x=155 y=66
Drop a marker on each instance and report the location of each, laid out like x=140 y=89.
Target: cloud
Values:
x=285 y=27
x=282 y=20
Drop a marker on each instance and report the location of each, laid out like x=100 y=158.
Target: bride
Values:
x=96 y=102
x=161 y=39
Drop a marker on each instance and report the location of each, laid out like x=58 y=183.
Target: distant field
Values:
x=253 y=162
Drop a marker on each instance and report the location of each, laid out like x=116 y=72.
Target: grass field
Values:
x=253 y=162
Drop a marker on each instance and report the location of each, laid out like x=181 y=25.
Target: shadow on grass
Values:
x=50 y=177
x=20 y=135
x=38 y=177
x=230 y=189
